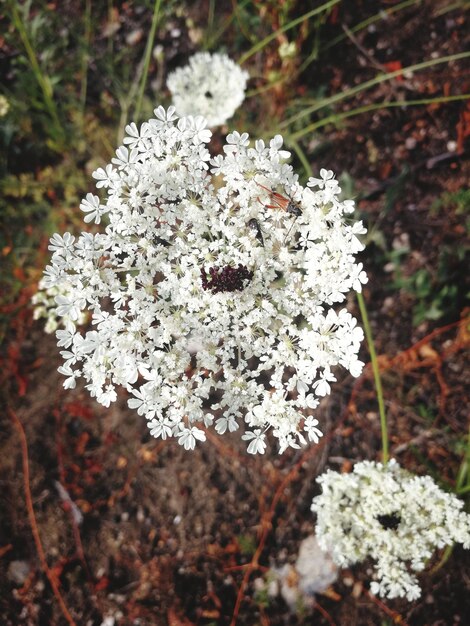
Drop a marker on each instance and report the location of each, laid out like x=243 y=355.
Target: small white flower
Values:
x=141 y=402
x=52 y=275
x=310 y=427
x=188 y=436
x=105 y=178
x=322 y=386
x=325 y=177
x=69 y=306
x=235 y=140
x=162 y=429
x=92 y=207
x=65 y=337
x=61 y=244
x=257 y=441
x=227 y=422
x=198 y=126
x=164 y=117
x=70 y=382
x=211 y=85
x=107 y=396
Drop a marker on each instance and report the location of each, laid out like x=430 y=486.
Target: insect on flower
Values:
x=283 y=203
x=256 y=228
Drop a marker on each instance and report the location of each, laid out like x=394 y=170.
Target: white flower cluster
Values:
x=212 y=287
x=211 y=85
x=394 y=517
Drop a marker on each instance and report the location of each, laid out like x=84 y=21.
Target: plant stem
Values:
x=463 y=477
x=147 y=57
x=212 y=39
x=301 y=154
x=370 y=20
x=210 y=16
x=43 y=81
x=443 y=560
x=51 y=575
x=324 y=102
x=336 y=117
x=377 y=381
x=459 y=4
x=264 y=42
x=317 y=49
x=125 y=100
x=85 y=57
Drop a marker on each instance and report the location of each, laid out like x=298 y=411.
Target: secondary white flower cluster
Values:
x=394 y=517
x=212 y=287
x=211 y=85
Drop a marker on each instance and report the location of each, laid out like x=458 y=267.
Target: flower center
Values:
x=389 y=521
x=228 y=278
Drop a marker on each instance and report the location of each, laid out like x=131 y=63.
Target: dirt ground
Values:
x=139 y=530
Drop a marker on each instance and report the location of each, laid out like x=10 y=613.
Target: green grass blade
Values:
x=85 y=59
x=264 y=42
x=336 y=117
x=314 y=54
x=147 y=57
x=212 y=39
x=376 y=373
x=371 y=20
x=42 y=79
x=324 y=102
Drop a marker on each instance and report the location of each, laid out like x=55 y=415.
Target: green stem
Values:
x=460 y=4
x=336 y=117
x=264 y=42
x=301 y=155
x=147 y=57
x=85 y=58
x=463 y=477
x=371 y=20
x=210 y=15
x=218 y=34
x=324 y=102
x=42 y=80
x=377 y=381
x=313 y=56
x=264 y=88
x=320 y=48
x=443 y=560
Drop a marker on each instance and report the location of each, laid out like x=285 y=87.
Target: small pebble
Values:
x=18 y=571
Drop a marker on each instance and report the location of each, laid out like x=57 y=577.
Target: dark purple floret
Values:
x=389 y=521
x=228 y=278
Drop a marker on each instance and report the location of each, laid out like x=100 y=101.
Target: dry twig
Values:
x=32 y=519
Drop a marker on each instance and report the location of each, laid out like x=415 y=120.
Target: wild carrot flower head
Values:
x=211 y=85
x=395 y=518
x=211 y=301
